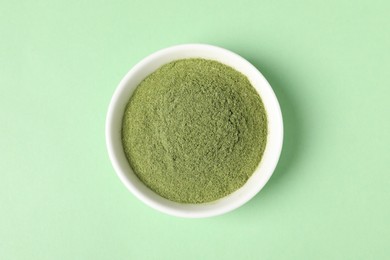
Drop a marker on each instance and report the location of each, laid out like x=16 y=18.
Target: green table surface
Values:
x=328 y=62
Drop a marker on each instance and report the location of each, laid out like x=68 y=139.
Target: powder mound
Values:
x=194 y=130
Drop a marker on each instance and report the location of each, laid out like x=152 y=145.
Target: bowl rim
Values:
x=212 y=209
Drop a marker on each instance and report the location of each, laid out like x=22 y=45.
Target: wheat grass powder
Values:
x=194 y=130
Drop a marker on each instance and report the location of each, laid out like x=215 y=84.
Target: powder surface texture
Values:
x=194 y=130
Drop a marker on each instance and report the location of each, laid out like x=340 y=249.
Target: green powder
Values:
x=194 y=130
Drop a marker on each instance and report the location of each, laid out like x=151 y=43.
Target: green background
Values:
x=328 y=62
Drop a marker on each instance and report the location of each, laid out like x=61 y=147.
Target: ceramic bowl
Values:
x=114 y=123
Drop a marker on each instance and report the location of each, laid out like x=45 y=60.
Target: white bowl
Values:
x=114 y=124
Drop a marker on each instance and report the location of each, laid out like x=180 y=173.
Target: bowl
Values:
x=114 y=124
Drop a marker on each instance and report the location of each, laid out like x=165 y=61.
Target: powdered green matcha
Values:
x=194 y=130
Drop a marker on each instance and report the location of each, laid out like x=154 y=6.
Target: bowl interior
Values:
x=124 y=92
